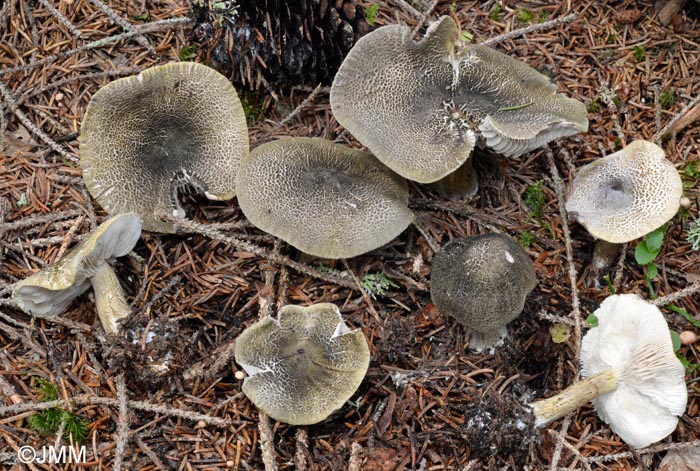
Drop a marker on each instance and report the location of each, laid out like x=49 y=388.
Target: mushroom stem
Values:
x=480 y=341
x=462 y=183
x=604 y=254
x=109 y=298
x=573 y=397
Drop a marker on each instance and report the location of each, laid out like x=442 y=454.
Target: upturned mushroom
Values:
x=420 y=106
x=482 y=282
x=624 y=196
x=323 y=198
x=145 y=137
x=48 y=292
x=303 y=365
x=632 y=375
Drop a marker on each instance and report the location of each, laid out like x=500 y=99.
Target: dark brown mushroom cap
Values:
x=517 y=108
x=325 y=199
x=303 y=365
x=47 y=292
x=392 y=93
x=482 y=281
x=144 y=136
x=418 y=106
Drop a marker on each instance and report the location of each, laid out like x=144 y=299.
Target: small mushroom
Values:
x=303 y=365
x=624 y=196
x=325 y=199
x=48 y=292
x=632 y=375
x=482 y=281
x=145 y=137
x=420 y=106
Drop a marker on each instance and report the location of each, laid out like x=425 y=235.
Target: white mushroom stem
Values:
x=109 y=297
x=573 y=397
x=604 y=254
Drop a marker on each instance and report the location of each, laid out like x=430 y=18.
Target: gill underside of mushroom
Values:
x=573 y=397
x=109 y=298
x=189 y=184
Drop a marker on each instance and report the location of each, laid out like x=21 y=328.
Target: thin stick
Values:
x=302 y=441
x=140 y=30
x=152 y=456
x=556 y=456
x=424 y=17
x=267 y=435
x=530 y=29
x=646 y=451
x=684 y=118
x=122 y=423
x=607 y=94
x=80 y=78
x=432 y=243
x=295 y=112
x=673 y=297
x=124 y=24
x=61 y=19
x=207 y=231
x=39 y=220
x=355 y=463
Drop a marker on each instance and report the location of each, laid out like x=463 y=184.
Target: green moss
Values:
x=188 y=52
x=526 y=239
x=667 y=98
x=371 y=13
x=534 y=197
x=48 y=421
x=638 y=52
x=496 y=13
x=526 y=16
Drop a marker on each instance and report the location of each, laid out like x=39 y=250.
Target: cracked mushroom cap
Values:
x=48 y=292
x=517 y=108
x=303 y=365
x=633 y=338
x=482 y=281
x=627 y=194
x=325 y=199
x=418 y=106
x=146 y=136
x=393 y=94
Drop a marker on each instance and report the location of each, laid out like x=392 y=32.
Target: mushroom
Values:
x=303 y=365
x=48 y=292
x=624 y=196
x=482 y=282
x=145 y=137
x=420 y=106
x=632 y=375
x=325 y=199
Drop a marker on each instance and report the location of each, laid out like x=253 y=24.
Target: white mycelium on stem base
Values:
x=632 y=376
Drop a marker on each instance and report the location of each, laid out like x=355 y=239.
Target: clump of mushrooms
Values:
x=48 y=292
x=624 y=196
x=302 y=365
x=632 y=375
x=482 y=282
x=421 y=106
x=325 y=199
x=170 y=127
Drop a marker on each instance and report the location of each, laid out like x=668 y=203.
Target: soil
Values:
x=165 y=395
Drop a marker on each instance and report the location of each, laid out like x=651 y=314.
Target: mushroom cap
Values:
x=391 y=92
x=482 y=281
x=419 y=105
x=303 y=365
x=325 y=199
x=633 y=338
x=518 y=109
x=145 y=136
x=627 y=194
x=46 y=293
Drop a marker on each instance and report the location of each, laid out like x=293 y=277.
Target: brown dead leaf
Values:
x=17 y=141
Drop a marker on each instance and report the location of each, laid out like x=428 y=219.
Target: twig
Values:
x=407 y=7
x=124 y=24
x=68 y=238
x=684 y=118
x=80 y=78
x=39 y=220
x=151 y=455
x=576 y=452
x=365 y=295
x=302 y=441
x=530 y=29
x=561 y=437
x=207 y=231
x=673 y=297
x=646 y=451
x=140 y=30
x=10 y=102
x=355 y=463
x=122 y=423
x=432 y=243
x=607 y=94
x=266 y=445
x=423 y=17
x=61 y=19
x=295 y=112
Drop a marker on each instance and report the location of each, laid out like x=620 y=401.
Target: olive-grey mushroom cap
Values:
x=393 y=94
x=303 y=365
x=627 y=194
x=518 y=109
x=48 y=292
x=482 y=281
x=146 y=136
x=419 y=106
x=325 y=199
x=634 y=340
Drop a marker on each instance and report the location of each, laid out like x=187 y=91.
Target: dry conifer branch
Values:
x=530 y=29
x=124 y=24
x=684 y=118
x=607 y=94
x=205 y=230
x=560 y=437
x=39 y=220
x=424 y=17
x=267 y=435
x=429 y=239
x=302 y=444
x=122 y=423
x=295 y=112
x=355 y=463
x=673 y=297
x=646 y=451
x=148 y=452
x=61 y=19
x=80 y=78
